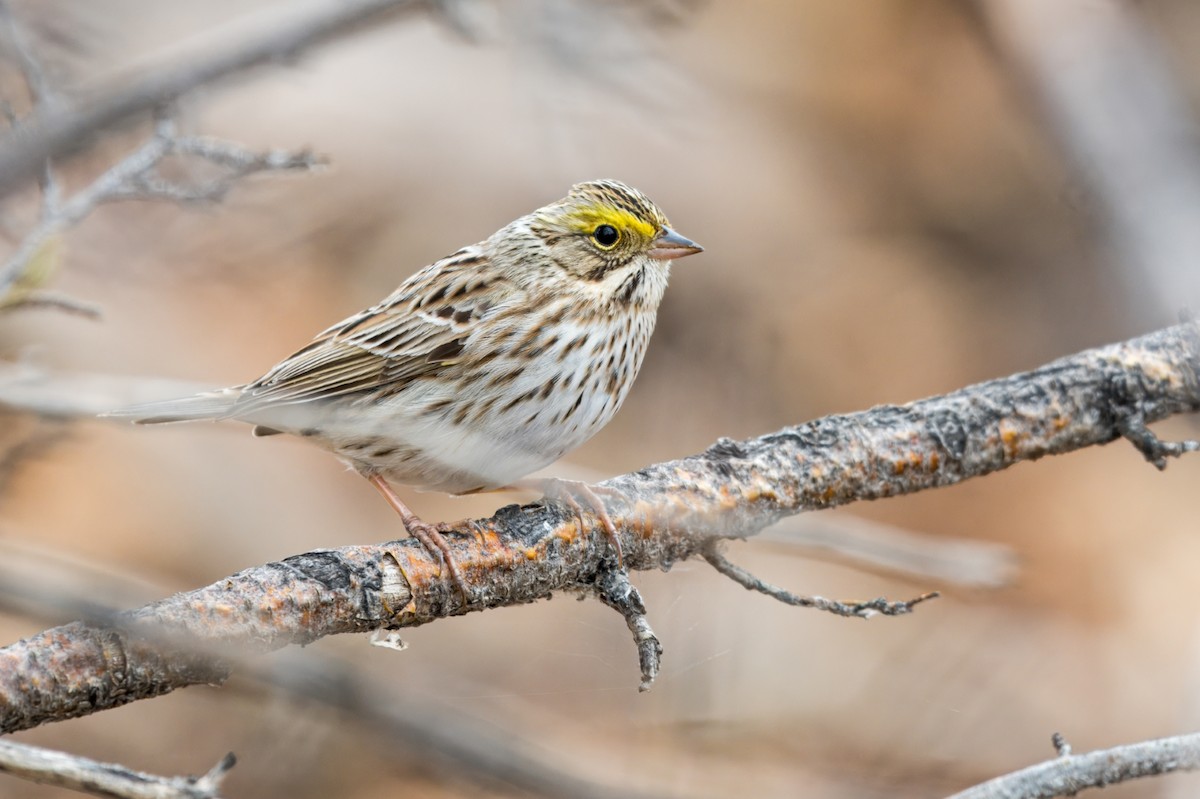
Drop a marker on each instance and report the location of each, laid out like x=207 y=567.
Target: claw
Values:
x=570 y=491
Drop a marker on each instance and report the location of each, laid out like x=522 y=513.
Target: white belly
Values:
x=489 y=428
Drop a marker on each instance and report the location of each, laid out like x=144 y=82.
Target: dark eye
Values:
x=606 y=236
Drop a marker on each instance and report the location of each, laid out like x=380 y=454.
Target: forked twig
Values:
x=863 y=610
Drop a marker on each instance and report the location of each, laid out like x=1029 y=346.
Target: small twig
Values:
x=55 y=300
x=1134 y=430
x=1068 y=774
x=1060 y=744
x=135 y=177
x=40 y=91
x=41 y=96
x=863 y=610
x=615 y=590
x=107 y=779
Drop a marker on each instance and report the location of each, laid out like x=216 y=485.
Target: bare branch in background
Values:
x=138 y=177
x=107 y=779
x=29 y=389
x=1107 y=94
x=1069 y=773
x=68 y=127
x=51 y=299
x=671 y=511
x=872 y=545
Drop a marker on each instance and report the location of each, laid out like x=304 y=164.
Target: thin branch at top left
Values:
x=137 y=176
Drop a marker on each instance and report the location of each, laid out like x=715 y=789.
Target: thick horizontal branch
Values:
x=1069 y=774
x=663 y=514
x=42 y=584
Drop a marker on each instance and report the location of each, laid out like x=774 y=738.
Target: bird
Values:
x=481 y=368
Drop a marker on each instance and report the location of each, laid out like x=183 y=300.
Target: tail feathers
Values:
x=210 y=405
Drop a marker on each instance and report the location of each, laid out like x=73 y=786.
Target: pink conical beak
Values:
x=670 y=245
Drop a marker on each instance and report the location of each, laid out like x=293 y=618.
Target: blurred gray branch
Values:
x=871 y=545
x=106 y=779
x=669 y=512
x=1107 y=94
x=1069 y=774
x=29 y=389
x=53 y=131
x=138 y=176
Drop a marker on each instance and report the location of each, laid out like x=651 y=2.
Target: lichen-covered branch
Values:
x=664 y=513
x=42 y=584
x=1069 y=774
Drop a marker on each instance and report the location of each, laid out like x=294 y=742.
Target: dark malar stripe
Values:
x=627 y=289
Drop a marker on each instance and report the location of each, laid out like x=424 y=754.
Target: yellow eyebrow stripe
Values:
x=585 y=220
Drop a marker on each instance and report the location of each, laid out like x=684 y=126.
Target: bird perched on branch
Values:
x=482 y=367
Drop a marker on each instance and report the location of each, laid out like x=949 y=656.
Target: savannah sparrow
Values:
x=482 y=367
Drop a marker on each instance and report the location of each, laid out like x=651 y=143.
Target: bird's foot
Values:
x=429 y=535
x=435 y=544
x=572 y=492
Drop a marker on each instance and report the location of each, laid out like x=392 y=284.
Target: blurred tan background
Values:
x=892 y=207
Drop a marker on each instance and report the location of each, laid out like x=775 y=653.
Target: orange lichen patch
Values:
x=1010 y=438
x=419 y=568
x=637 y=521
x=934 y=461
x=761 y=490
x=913 y=460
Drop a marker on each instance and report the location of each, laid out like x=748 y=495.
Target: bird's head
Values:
x=604 y=229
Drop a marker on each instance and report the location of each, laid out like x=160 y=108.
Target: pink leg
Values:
x=424 y=532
